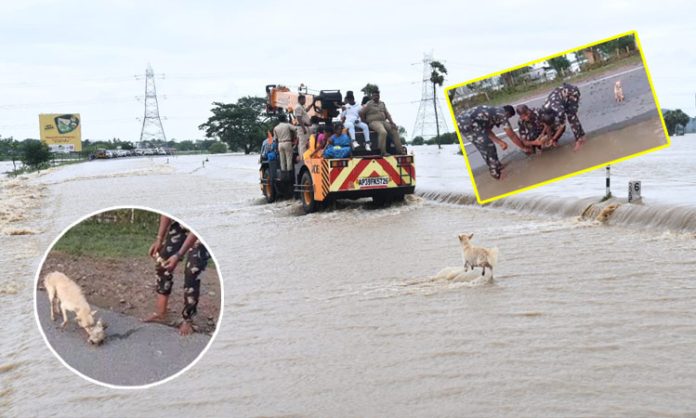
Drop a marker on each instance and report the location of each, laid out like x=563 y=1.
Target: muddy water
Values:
x=341 y=313
x=552 y=163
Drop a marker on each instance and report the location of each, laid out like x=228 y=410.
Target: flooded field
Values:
x=343 y=313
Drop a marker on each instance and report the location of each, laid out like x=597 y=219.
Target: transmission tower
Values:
x=425 y=119
x=152 y=124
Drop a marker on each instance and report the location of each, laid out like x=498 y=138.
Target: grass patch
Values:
x=113 y=240
x=119 y=233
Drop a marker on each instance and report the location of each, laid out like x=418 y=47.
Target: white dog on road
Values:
x=66 y=292
x=477 y=256
x=618 y=91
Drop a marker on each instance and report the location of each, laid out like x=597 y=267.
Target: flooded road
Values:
x=339 y=313
x=554 y=163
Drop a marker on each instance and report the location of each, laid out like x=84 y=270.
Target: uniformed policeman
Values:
x=476 y=124
x=563 y=103
x=378 y=118
x=283 y=132
x=303 y=125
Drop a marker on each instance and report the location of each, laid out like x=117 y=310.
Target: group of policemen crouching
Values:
x=539 y=128
x=371 y=114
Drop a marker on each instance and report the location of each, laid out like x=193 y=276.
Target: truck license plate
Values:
x=373 y=181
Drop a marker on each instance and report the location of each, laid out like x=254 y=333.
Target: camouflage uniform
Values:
x=475 y=123
x=196 y=262
x=565 y=102
x=531 y=128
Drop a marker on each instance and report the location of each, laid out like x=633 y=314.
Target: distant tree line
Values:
x=526 y=78
x=444 y=139
x=34 y=154
x=29 y=152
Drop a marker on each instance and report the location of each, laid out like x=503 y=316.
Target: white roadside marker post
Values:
x=634 y=188
x=607 y=194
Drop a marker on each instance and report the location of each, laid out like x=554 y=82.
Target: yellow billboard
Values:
x=62 y=132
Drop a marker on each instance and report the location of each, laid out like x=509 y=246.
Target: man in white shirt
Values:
x=350 y=119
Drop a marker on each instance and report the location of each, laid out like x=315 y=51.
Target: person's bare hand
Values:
x=185 y=328
x=171 y=263
x=503 y=146
x=155 y=247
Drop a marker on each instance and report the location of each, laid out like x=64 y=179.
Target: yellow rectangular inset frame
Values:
x=461 y=140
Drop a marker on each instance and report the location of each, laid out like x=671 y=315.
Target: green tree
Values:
x=674 y=118
x=241 y=125
x=624 y=43
x=511 y=78
x=35 y=153
x=218 y=148
x=402 y=132
x=560 y=64
x=418 y=140
x=437 y=77
x=447 y=138
x=186 y=145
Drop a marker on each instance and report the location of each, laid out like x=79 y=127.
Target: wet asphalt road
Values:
x=133 y=354
x=598 y=110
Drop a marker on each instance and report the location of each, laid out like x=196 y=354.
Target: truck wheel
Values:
x=307 y=194
x=269 y=191
x=381 y=201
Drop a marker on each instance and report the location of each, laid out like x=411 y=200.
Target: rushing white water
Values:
x=348 y=312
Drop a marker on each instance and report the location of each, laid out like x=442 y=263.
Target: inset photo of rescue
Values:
x=128 y=297
x=557 y=117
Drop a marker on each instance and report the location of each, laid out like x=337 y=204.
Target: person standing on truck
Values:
x=350 y=118
x=303 y=125
x=283 y=133
x=377 y=116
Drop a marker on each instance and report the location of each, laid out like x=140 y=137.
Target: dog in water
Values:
x=477 y=256
x=618 y=92
x=68 y=294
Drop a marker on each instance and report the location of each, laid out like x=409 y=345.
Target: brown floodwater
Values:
x=343 y=313
x=556 y=162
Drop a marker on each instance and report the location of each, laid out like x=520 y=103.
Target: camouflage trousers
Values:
x=196 y=261
x=566 y=102
x=479 y=137
x=575 y=124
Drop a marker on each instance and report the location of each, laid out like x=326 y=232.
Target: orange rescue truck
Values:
x=317 y=181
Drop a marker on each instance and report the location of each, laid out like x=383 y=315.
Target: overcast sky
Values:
x=79 y=56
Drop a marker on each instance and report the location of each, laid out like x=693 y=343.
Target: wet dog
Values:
x=67 y=293
x=477 y=256
x=618 y=92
